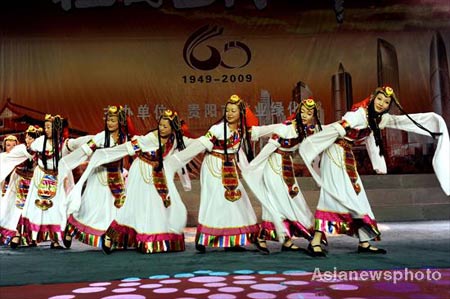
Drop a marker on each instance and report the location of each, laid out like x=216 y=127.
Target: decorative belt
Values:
x=288 y=172
x=230 y=179
x=350 y=163
x=49 y=171
x=158 y=177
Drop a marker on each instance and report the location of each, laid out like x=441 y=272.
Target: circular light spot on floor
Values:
x=244 y=277
x=159 y=276
x=183 y=275
x=343 y=287
x=124 y=290
x=261 y=295
x=165 y=290
x=131 y=279
x=202 y=271
x=99 y=284
x=266 y=272
x=206 y=279
x=214 y=285
x=62 y=297
x=274 y=278
x=296 y=272
x=231 y=290
x=219 y=273
x=169 y=281
x=269 y=287
x=295 y=283
x=399 y=287
x=306 y=296
x=244 y=281
x=243 y=272
x=196 y=291
x=125 y=296
x=89 y=290
x=222 y=296
x=151 y=286
x=129 y=284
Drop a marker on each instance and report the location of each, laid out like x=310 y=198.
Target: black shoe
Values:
x=33 y=244
x=106 y=250
x=261 y=245
x=13 y=244
x=67 y=239
x=371 y=249
x=200 y=248
x=313 y=253
x=235 y=249
x=291 y=247
x=55 y=245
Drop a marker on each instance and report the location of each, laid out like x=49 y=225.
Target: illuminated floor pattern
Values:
x=295 y=284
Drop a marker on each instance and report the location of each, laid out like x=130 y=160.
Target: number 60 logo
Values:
x=215 y=59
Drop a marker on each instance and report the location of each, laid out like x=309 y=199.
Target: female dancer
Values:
x=226 y=217
x=153 y=216
x=271 y=175
x=92 y=213
x=44 y=213
x=20 y=163
x=8 y=144
x=343 y=207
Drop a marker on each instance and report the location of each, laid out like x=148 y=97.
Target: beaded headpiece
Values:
x=388 y=92
x=308 y=103
x=119 y=112
x=36 y=130
x=172 y=116
x=11 y=138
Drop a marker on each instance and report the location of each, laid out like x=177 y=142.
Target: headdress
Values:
x=172 y=116
x=34 y=130
x=388 y=92
x=11 y=138
x=119 y=112
x=308 y=103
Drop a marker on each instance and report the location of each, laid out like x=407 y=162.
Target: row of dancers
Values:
x=143 y=209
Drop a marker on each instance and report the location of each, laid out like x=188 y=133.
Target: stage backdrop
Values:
x=60 y=58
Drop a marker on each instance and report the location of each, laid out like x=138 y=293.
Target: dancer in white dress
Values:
x=19 y=164
x=153 y=216
x=271 y=175
x=343 y=206
x=9 y=143
x=226 y=217
x=92 y=213
x=44 y=214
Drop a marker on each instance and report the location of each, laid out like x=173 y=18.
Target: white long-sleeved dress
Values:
x=19 y=164
x=343 y=206
x=93 y=211
x=146 y=220
x=41 y=220
x=226 y=217
x=271 y=176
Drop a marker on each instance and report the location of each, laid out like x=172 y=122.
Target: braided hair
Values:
x=244 y=130
x=57 y=140
x=309 y=104
x=175 y=125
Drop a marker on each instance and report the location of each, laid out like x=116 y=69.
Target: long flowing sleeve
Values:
x=378 y=162
x=8 y=161
x=79 y=155
x=433 y=122
x=100 y=157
